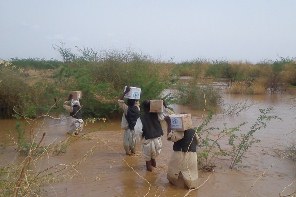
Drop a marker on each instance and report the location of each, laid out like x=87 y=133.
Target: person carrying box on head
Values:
x=152 y=130
x=72 y=105
x=182 y=168
x=131 y=114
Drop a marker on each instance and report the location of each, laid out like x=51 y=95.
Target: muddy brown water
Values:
x=94 y=163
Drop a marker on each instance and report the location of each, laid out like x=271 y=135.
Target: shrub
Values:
x=102 y=82
x=198 y=97
x=238 y=138
x=36 y=63
x=14 y=92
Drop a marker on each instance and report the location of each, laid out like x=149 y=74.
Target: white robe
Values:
x=151 y=148
x=182 y=165
x=76 y=125
x=130 y=137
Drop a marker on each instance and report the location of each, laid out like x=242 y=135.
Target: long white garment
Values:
x=182 y=165
x=129 y=136
x=76 y=125
x=129 y=141
x=151 y=148
x=138 y=129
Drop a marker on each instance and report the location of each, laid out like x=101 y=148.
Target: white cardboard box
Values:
x=181 y=122
x=134 y=93
x=156 y=106
x=76 y=95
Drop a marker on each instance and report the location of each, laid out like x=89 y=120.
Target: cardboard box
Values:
x=76 y=95
x=134 y=93
x=181 y=122
x=156 y=105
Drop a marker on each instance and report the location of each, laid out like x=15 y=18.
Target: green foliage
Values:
x=198 y=97
x=205 y=143
x=26 y=145
x=219 y=69
x=14 y=92
x=242 y=142
x=102 y=82
x=66 y=53
x=278 y=65
x=35 y=63
x=101 y=76
x=209 y=146
x=21 y=135
x=274 y=74
x=239 y=140
x=289 y=73
x=194 y=68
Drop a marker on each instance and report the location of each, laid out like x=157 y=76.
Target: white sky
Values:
x=181 y=30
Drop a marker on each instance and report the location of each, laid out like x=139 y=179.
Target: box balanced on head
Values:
x=156 y=106
x=76 y=95
x=134 y=93
x=181 y=122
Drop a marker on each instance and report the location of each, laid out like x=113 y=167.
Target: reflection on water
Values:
x=107 y=171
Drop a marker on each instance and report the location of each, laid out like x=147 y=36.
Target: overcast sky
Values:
x=178 y=30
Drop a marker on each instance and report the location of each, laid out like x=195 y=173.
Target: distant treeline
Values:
x=102 y=76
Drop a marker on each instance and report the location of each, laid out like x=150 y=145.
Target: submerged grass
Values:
x=291 y=152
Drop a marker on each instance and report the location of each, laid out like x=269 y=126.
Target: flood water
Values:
x=95 y=164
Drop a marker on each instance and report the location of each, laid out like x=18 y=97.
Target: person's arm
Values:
x=167 y=110
x=165 y=113
x=121 y=102
x=168 y=121
x=175 y=136
x=122 y=105
x=67 y=103
x=160 y=116
x=124 y=93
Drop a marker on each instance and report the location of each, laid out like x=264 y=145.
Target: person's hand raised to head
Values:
x=164 y=103
x=127 y=89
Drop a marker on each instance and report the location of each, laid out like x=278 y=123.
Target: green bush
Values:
x=198 y=97
x=102 y=82
x=35 y=63
x=14 y=92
